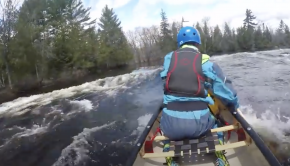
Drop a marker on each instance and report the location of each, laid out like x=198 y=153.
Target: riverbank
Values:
x=7 y=94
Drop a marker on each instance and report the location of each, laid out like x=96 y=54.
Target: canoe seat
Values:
x=205 y=144
x=192 y=150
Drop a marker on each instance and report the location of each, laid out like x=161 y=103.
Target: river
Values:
x=97 y=123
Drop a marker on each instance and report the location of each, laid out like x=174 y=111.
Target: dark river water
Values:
x=97 y=123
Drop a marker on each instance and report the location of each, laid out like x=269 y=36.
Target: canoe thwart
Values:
x=220 y=129
x=193 y=150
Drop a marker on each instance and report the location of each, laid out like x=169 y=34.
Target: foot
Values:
x=220 y=162
x=166 y=148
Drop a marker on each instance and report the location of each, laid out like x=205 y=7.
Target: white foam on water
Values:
x=109 y=85
x=145 y=69
x=79 y=147
x=25 y=132
x=85 y=104
x=142 y=123
x=37 y=129
x=280 y=54
x=270 y=127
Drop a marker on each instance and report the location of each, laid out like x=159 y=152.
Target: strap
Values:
x=185 y=106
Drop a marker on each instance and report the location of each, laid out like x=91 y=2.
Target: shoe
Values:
x=166 y=148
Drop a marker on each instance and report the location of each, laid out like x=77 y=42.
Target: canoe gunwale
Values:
x=143 y=136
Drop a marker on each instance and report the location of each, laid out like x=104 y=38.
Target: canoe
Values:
x=242 y=145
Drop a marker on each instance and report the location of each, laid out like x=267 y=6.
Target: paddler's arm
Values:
x=221 y=86
x=166 y=64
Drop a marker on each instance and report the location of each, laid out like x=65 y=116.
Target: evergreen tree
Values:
x=113 y=46
x=281 y=27
x=166 y=42
x=206 y=39
x=235 y=46
x=174 y=34
x=164 y=25
x=68 y=26
x=281 y=38
x=228 y=39
x=287 y=35
x=217 y=39
x=246 y=39
x=202 y=36
x=249 y=20
x=259 y=39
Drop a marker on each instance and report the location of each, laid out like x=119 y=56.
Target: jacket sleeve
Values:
x=166 y=64
x=221 y=86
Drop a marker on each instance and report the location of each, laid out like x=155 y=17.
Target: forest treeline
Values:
x=46 y=40
x=151 y=44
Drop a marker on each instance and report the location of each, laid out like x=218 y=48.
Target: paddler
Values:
x=187 y=76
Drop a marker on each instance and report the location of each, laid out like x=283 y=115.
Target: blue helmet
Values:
x=188 y=34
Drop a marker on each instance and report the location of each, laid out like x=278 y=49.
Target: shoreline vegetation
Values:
x=53 y=44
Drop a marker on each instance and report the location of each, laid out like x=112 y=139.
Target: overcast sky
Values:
x=134 y=13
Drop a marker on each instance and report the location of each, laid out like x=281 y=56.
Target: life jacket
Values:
x=185 y=78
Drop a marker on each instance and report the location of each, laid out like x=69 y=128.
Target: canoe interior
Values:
x=241 y=156
x=238 y=152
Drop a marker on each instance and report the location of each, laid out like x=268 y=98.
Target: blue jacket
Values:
x=221 y=86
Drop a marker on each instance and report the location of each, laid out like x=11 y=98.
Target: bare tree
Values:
x=133 y=41
x=8 y=19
